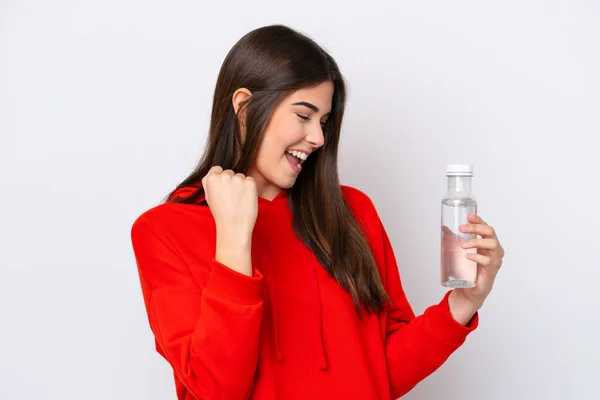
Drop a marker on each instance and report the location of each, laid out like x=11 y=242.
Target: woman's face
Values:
x=293 y=133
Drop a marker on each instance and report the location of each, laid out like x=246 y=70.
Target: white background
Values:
x=104 y=108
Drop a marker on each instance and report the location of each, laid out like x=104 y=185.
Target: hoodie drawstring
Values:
x=316 y=297
x=271 y=283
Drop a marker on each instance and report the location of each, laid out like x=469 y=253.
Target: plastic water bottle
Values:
x=457 y=271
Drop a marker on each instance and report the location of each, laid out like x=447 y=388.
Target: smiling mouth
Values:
x=296 y=157
x=294 y=161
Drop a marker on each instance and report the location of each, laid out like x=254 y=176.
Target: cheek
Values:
x=294 y=135
x=269 y=157
x=280 y=135
x=286 y=133
x=277 y=141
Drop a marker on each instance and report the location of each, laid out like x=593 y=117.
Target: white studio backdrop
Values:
x=104 y=108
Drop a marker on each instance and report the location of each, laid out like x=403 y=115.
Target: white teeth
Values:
x=299 y=154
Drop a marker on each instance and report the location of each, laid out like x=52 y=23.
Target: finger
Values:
x=249 y=181
x=215 y=170
x=479 y=259
x=478 y=229
x=240 y=175
x=227 y=174
x=489 y=244
x=476 y=219
x=212 y=173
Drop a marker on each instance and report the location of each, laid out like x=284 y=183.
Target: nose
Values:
x=316 y=137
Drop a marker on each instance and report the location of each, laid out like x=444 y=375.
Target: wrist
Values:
x=235 y=260
x=234 y=241
x=461 y=309
x=235 y=253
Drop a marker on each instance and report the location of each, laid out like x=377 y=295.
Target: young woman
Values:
x=262 y=276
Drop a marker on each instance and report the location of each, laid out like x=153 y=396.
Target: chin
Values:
x=285 y=183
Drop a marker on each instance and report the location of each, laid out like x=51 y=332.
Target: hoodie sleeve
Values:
x=209 y=335
x=416 y=346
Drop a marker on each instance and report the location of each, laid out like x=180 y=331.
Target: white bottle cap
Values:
x=459 y=170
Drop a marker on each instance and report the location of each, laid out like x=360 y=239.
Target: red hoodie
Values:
x=289 y=331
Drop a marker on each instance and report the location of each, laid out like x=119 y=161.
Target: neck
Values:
x=265 y=189
x=269 y=194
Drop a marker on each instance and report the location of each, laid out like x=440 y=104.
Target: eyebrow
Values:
x=309 y=105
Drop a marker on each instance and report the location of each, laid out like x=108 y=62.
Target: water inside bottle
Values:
x=457 y=270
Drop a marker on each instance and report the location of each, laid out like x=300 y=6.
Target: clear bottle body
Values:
x=457 y=271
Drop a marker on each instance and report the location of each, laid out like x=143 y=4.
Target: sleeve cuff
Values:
x=445 y=327
x=234 y=286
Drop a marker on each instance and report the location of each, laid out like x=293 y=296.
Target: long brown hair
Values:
x=272 y=62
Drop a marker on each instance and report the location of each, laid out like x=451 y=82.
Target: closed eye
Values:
x=305 y=118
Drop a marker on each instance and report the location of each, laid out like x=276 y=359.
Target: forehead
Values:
x=320 y=95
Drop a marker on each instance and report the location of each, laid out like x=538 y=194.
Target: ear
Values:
x=240 y=96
